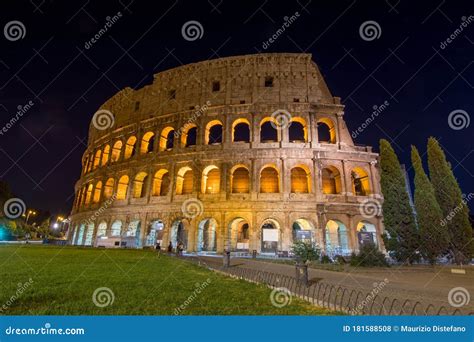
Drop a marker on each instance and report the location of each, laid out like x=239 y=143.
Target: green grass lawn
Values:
x=63 y=280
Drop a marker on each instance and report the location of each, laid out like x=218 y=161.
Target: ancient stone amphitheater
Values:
x=241 y=153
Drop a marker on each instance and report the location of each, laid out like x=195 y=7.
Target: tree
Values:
x=451 y=201
x=433 y=237
x=402 y=240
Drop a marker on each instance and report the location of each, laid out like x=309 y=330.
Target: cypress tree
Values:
x=433 y=237
x=402 y=240
x=452 y=203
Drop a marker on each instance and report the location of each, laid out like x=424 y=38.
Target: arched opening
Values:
x=239 y=230
x=109 y=188
x=178 y=234
x=161 y=183
x=97 y=192
x=184 y=181
x=132 y=234
x=116 y=228
x=155 y=233
x=90 y=162
x=360 y=182
x=240 y=180
x=211 y=180
x=167 y=139
x=298 y=131
x=303 y=231
x=89 y=194
x=331 y=179
x=269 y=180
x=336 y=238
x=207 y=239
x=105 y=155
x=98 y=154
x=366 y=233
x=326 y=131
x=213 y=133
x=300 y=180
x=101 y=229
x=74 y=235
x=80 y=235
x=89 y=234
x=241 y=130
x=139 y=190
x=189 y=135
x=270 y=236
x=148 y=141
x=122 y=187
x=116 y=151
x=268 y=131
x=130 y=147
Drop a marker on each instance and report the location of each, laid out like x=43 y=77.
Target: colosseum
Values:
x=240 y=154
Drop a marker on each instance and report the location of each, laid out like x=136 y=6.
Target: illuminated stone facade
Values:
x=241 y=153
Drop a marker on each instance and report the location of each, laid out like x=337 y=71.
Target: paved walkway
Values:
x=422 y=283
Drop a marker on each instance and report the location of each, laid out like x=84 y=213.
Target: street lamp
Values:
x=30 y=212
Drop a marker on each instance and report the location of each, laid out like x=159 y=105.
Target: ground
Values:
x=63 y=281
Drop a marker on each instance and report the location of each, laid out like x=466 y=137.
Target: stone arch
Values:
x=131 y=235
x=239 y=234
x=109 y=188
x=105 y=155
x=240 y=179
x=269 y=131
x=139 y=188
x=300 y=179
x=155 y=233
x=116 y=228
x=167 y=138
x=241 y=130
x=97 y=192
x=298 y=130
x=360 y=182
x=303 y=230
x=148 y=142
x=326 y=130
x=89 y=194
x=269 y=179
x=211 y=180
x=130 y=147
x=331 y=180
x=116 y=151
x=189 y=135
x=207 y=235
x=89 y=234
x=161 y=183
x=97 y=156
x=122 y=187
x=213 y=133
x=178 y=233
x=270 y=237
x=184 y=181
x=366 y=233
x=80 y=235
x=337 y=238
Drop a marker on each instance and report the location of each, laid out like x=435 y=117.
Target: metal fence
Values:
x=337 y=297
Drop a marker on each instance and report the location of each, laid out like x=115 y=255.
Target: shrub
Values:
x=305 y=251
x=326 y=260
x=369 y=256
x=340 y=260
